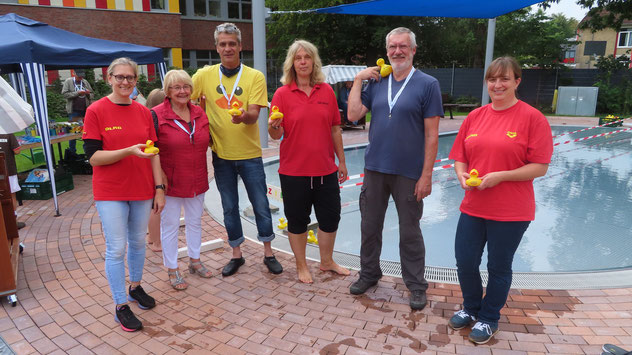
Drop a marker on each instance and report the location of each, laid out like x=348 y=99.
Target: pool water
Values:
x=583 y=208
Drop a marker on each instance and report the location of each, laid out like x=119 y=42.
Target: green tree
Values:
x=533 y=38
x=615 y=86
x=602 y=13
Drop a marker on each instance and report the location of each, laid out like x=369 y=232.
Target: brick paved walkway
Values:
x=64 y=303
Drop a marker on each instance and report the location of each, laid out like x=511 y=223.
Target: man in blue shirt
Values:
x=403 y=139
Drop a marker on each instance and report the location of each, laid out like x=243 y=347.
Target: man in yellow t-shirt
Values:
x=236 y=147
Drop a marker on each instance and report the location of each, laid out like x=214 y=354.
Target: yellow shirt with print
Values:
x=231 y=141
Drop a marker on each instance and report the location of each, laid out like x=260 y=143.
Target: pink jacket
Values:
x=183 y=159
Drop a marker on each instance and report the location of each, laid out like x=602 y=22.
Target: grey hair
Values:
x=228 y=28
x=399 y=30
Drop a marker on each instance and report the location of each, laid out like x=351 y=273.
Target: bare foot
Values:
x=335 y=268
x=155 y=247
x=304 y=276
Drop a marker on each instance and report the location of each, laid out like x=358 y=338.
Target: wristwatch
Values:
x=161 y=186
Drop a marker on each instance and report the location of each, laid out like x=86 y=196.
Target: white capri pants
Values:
x=170 y=222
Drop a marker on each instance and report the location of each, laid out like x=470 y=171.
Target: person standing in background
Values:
x=79 y=95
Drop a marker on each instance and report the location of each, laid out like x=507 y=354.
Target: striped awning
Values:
x=340 y=73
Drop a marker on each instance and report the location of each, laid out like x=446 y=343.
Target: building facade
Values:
x=182 y=28
x=594 y=45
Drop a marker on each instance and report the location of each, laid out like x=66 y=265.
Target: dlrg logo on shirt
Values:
x=512 y=134
x=113 y=128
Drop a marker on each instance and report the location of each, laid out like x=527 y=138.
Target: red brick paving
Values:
x=64 y=303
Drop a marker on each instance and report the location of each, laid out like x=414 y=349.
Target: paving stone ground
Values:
x=64 y=303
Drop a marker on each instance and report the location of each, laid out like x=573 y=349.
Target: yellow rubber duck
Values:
x=235 y=111
x=385 y=69
x=282 y=223
x=150 y=147
x=473 y=180
x=275 y=115
x=311 y=237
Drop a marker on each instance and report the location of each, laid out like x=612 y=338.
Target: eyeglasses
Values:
x=183 y=87
x=402 y=47
x=226 y=28
x=120 y=78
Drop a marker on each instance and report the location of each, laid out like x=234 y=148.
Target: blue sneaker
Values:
x=482 y=332
x=460 y=320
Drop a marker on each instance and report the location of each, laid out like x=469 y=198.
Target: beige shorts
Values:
x=13 y=182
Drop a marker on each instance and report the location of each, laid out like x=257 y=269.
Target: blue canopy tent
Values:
x=28 y=48
x=489 y=9
x=431 y=8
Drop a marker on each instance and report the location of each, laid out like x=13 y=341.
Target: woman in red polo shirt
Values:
x=311 y=135
x=126 y=183
x=183 y=136
x=509 y=143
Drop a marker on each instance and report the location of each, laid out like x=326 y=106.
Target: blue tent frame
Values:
x=28 y=48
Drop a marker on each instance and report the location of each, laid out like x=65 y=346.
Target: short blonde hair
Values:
x=501 y=65
x=123 y=61
x=289 y=73
x=155 y=98
x=176 y=76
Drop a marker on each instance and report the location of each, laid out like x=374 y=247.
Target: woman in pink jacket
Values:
x=183 y=137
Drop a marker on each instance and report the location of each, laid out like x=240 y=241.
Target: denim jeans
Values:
x=502 y=239
x=72 y=144
x=124 y=223
x=254 y=178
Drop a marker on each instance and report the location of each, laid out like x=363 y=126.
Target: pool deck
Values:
x=64 y=303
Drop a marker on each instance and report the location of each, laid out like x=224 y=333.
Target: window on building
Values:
x=199 y=8
x=595 y=48
x=158 y=4
x=199 y=58
x=625 y=38
x=214 y=8
x=186 y=58
x=240 y=9
x=183 y=7
x=202 y=58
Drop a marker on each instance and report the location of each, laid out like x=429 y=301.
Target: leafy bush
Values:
x=615 y=96
x=56 y=103
x=469 y=99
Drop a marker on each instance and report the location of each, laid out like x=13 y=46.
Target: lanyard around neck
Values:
x=232 y=93
x=393 y=101
x=186 y=130
x=78 y=87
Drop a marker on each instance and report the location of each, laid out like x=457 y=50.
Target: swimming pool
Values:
x=583 y=208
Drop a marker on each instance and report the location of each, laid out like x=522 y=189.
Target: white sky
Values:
x=567 y=7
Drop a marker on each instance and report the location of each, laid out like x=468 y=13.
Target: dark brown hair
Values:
x=502 y=65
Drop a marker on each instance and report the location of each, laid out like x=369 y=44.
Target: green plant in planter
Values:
x=610 y=118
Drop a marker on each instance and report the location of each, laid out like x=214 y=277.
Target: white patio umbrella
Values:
x=15 y=113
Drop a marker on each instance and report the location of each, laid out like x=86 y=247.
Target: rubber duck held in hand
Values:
x=473 y=180
x=150 y=149
x=275 y=115
x=235 y=111
x=385 y=69
x=311 y=237
x=282 y=223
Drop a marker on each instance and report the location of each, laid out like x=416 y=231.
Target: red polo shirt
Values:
x=119 y=127
x=307 y=148
x=491 y=140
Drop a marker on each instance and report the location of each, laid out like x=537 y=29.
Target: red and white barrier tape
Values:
x=585 y=129
x=353 y=177
x=590 y=137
